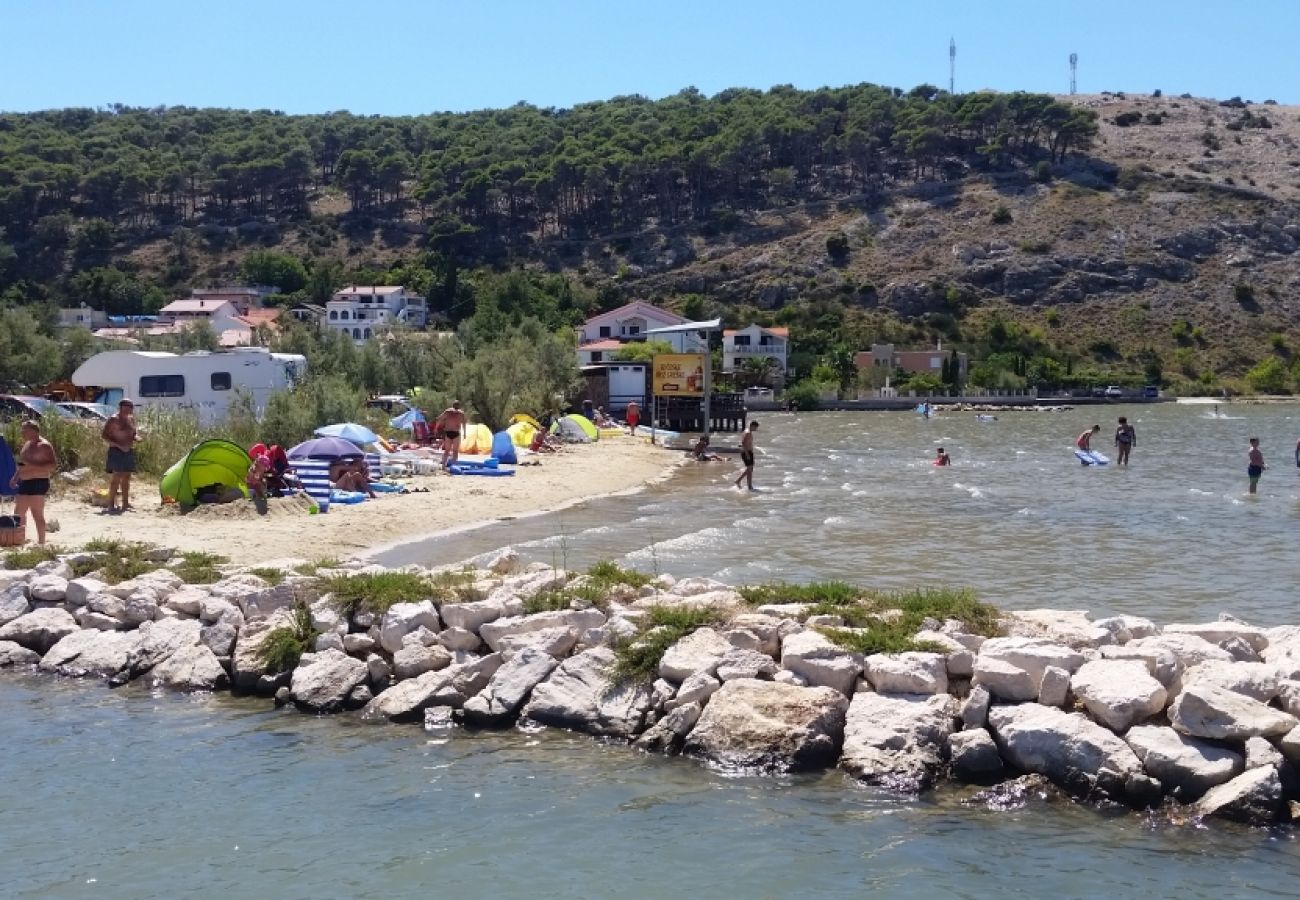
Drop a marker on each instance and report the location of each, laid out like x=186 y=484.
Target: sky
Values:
x=407 y=56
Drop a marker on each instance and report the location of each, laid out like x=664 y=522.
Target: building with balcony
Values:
x=602 y=336
x=362 y=313
x=756 y=342
x=885 y=357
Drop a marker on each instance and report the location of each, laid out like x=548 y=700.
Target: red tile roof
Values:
x=607 y=344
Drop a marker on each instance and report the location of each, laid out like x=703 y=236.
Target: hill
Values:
x=1074 y=238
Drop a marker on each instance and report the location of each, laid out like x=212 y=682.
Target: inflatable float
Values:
x=478 y=469
x=1091 y=457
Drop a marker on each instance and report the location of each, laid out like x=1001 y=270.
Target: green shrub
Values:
x=637 y=659
x=806 y=395
x=311 y=568
x=376 y=591
x=1001 y=215
x=608 y=573
x=282 y=647
x=834 y=593
x=121 y=561
x=30 y=557
x=198 y=567
x=273 y=577
x=837 y=247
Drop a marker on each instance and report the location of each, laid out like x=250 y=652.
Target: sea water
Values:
x=130 y=793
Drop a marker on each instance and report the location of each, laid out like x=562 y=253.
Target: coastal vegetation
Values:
x=281 y=648
x=637 y=658
x=375 y=592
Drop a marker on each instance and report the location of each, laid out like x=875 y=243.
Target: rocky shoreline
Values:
x=1200 y=720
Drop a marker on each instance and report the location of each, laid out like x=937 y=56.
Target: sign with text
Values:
x=678 y=375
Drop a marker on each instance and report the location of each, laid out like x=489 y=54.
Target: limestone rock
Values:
x=1188 y=649
x=326 y=618
x=1031 y=654
x=219 y=638
x=213 y=609
x=403 y=618
x=415 y=659
x=581 y=694
x=249 y=674
x=13 y=603
x=1074 y=752
x=1288 y=696
x=1220 y=632
x=1118 y=693
x=821 y=663
x=1260 y=752
x=1254 y=798
x=80 y=590
x=577 y=619
x=360 y=697
x=1289 y=744
x=188 y=601
x=452 y=686
x=666 y=735
x=1127 y=628
x=378 y=672
x=767 y=629
x=974 y=757
x=1256 y=680
x=11 y=579
x=158 y=640
x=1161 y=662
x=12 y=655
x=191 y=668
x=898 y=741
x=907 y=673
x=958 y=658
x=1004 y=680
x=322 y=681
x=89 y=653
x=259 y=604
x=88 y=618
x=456 y=638
x=47 y=589
x=1054 y=689
x=1206 y=710
x=40 y=629
x=556 y=641
x=140 y=606
x=1184 y=763
x=769 y=726
x=975 y=709
x=696 y=689
x=700 y=651
x=1283 y=650
x=1070 y=628
x=745 y=664
x=506 y=561
x=499 y=703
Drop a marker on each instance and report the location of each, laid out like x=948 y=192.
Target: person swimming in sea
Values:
x=941 y=458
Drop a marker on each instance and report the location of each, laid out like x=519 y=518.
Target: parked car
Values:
x=1114 y=391
x=26 y=406
x=95 y=412
x=1099 y=392
x=1151 y=392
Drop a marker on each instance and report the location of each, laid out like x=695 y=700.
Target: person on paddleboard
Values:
x=1084 y=441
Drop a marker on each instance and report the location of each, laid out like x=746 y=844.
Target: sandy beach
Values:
x=286 y=530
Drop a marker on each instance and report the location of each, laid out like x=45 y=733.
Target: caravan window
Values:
x=162 y=386
x=221 y=381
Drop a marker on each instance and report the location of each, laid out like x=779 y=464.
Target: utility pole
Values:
x=952 y=65
x=1074 y=65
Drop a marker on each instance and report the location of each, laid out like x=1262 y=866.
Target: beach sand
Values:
x=286 y=530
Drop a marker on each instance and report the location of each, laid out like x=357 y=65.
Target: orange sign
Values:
x=678 y=375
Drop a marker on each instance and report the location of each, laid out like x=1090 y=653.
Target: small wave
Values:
x=837 y=520
x=684 y=544
x=1200 y=493
x=860 y=493
x=970 y=489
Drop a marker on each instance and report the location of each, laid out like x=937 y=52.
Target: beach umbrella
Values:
x=325 y=448
x=349 y=431
x=407 y=419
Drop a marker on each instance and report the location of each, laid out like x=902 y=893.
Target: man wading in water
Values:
x=747 y=456
x=1254 y=464
x=448 y=427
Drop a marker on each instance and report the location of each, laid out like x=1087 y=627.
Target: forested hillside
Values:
x=854 y=214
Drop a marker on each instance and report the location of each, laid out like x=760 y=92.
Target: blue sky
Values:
x=405 y=56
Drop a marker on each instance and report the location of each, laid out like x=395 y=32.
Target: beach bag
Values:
x=11 y=529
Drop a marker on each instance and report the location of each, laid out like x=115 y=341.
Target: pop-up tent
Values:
x=574 y=427
x=209 y=463
x=521 y=433
x=476 y=439
x=503 y=448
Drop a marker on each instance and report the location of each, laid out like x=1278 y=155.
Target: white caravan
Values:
x=203 y=382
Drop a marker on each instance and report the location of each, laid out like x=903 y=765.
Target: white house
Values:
x=83 y=317
x=362 y=312
x=220 y=313
x=754 y=342
x=601 y=336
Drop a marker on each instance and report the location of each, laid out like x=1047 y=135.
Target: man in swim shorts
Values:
x=1084 y=441
x=36 y=463
x=1254 y=464
x=747 y=456
x=1126 y=439
x=448 y=427
x=121 y=436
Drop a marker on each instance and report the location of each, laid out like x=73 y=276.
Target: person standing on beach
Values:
x=121 y=436
x=747 y=456
x=1126 y=439
x=633 y=416
x=1254 y=464
x=1084 y=441
x=449 y=426
x=36 y=463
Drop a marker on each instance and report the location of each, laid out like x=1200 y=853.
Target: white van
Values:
x=203 y=382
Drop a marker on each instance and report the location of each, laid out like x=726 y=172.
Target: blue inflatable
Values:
x=8 y=468
x=383 y=487
x=503 y=448
x=337 y=496
x=467 y=469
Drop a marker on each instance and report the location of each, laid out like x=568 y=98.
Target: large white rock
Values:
x=40 y=629
x=13 y=603
x=768 y=630
x=581 y=694
x=1054 y=689
x=1258 y=681
x=700 y=651
x=898 y=741
x=506 y=561
x=219 y=637
x=403 y=618
x=1188 y=649
x=1161 y=662
x=452 y=686
x=456 y=638
x=57 y=567
x=88 y=618
x=1289 y=744
x=156 y=641
x=141 y=605
x=1068 y=627
x=1031 y=654
x=258 y=604
x=82 y=589
x=472 y=616
x=248 y=672
x=1180 y=762
x=975 y=708
x=1125 y=628
x=188 y=601
x=499 y=703
x=213 y=609
x=1118 y=693
x=89 y=653
x=15 y=578
x=667 y=734
x=322 y=681
x=740 y=663
x=47 y=589
x=1070 y=750
x=12 y=654
x=696 y=689
x=1260 y=752
x=1220 y=632
x=1288 y=696
x=1206 y=710
x=820 y=662
x=414 y=659
x=578 y=619
x=109 y=605
x=556 y=641
x=958 y=658
x=769 y=726
x=191 y=668
x=907 y=673
x=1253 y=797
x=974 y=756
x=1004 y=680
x=1283 y=650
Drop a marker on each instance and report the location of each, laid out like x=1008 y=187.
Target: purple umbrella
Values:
x=325 y=448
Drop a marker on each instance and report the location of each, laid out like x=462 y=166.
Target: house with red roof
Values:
x=756 y=342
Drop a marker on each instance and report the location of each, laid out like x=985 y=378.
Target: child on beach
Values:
x=1084 y=441
x=256 y=478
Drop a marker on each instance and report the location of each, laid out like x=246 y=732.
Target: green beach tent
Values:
x=211 y=462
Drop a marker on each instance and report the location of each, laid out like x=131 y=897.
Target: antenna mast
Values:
x=1074 y=65
x=952 y=65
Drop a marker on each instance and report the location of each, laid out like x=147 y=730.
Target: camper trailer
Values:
x=203 y=382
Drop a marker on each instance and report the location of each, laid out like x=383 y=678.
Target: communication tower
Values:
x=952 y=65
x=1074 y=65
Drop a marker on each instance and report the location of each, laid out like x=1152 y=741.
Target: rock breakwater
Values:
x=1199 y=719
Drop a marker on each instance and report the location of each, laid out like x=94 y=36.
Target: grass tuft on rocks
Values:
x=122 y=560
x=282 y=647
x=818 y=593
x=273 y=577
x=888 y=622
x=311 y=569
x=376 y=591
x=638 y=658
x=30 y=557
x=455 y=586
x=579 y=596
x=198 y=567
x=608 y=574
